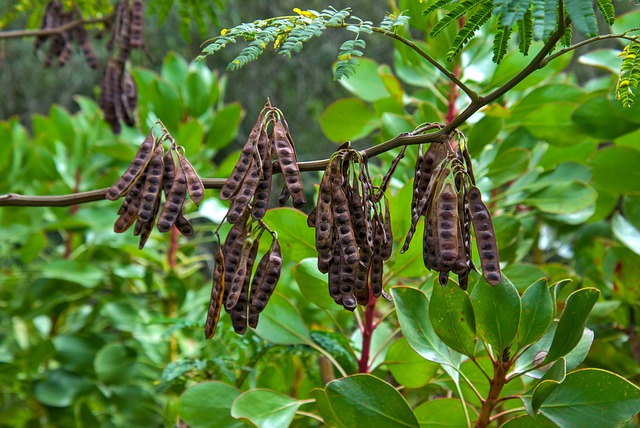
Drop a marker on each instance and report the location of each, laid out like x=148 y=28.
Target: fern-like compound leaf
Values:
x=501 y=43
x=347 y=58
x=537 y=13
x=525 y=32
x=583 y=16
x=550 y=18
x=629 y=77
x=513 y=12
x=435 y=5
x=456 y=13
x=607 y=10
x=475 y=21
x=392 y=21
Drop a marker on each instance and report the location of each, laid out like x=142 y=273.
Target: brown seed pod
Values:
x=264 y=282
x=152 y=186
x=128 y=212
x=194 y=184
x=347 y=285
x=239 y=275
x=260 y=201
x=137 y=23
x=446 y=211
x=485 y=237
x=184 y=226
x=239 y=311
x=344 y=230
x=334 y=275
x=147 y=227
x=429 y=244
x=50 y=20
x=134 y=170
x=288 y=164
x=324 y=213
x=361 y=281
x=128 y=98
x=311 y=218
x=175 y=195
x=232 y=251
x=324 y=261
x=80 y=34
x=284 y=196
x=376 y=274
x=387 y=245
x=217 y=293
x=240 y=201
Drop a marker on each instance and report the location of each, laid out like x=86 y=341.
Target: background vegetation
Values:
x=95 y=332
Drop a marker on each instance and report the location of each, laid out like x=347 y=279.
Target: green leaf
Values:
x=224 y=125
x=615 y=169
x=196 y=94
x=366 y=84
x=599 y=118
x=313 y=284
x=553 y=124
x=592 y=397
x=497 y=312
x=452 y=317
x=526 y=421
x=348 y=119
x=443 y=412
x=563 y=198
x=190 y=136
x=412 y=306
x=75 y=352
x=208 y=405
x=282 y=324
x=115 y=363
x=408 y=367
x=537 y=313
x=326 y=411
x=572 y=322
x=338 y=347
x=60 y=388
x=365 y=400
x=74 y=271
x=175 y=69
x=551 y=379
x=508 y=166
x=626 y=233
x=295 y=237
x=265 y=408
x=583 y=16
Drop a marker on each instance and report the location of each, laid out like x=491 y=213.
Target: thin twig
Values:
x=587 y=42
x=16 y=34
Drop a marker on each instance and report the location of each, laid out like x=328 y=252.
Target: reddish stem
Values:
x=173 y=247
x=367 y=332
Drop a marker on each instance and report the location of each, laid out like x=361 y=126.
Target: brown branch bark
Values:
x=17 y=34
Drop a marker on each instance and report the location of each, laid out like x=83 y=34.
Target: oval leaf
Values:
x=408 y=367
x=451 y=315
x=265 y=408
x=348 y=119
x=443 y=412
x=537 y=313
x=497 y=312
x=365 y=400
x=313 y=284
x=592 y=398
x=208 y=405
x=572 y=322
x=281 y=323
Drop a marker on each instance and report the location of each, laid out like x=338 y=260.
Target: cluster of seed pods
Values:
x=118 y=91
x=444 y=193
x=249 y=185
x=243 y=295
x=148 y=176
x=353 y=229
x=60 y=45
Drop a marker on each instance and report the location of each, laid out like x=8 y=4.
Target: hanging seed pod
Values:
x=324 y=261
x=50 y=19
x=446 y=210
x=347 y=285
x=324 y=212
x=239 y=275
x=264 y=282
x=217 y=293
x=429 y=244
x=232 y=255
x=147 y=227
x=80 y=34
x=134 y=170
x=346 y=237
x=194 y=184
x=128 y=212
x=289 y=165
x=244 y=195
x=376 y=274
x=175 y=195
x=239 y=311
x=334 y=275
x=387 y=246
x=361 y=282
x=263 y=190
x=284 y=196
x=184 y=226
x=152 y=185
x=485 y=236
x=137 y=22
x=169 y=173
x=311 y=218
x=359 y=222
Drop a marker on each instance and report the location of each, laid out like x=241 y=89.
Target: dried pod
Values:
x=334 y=275
x=134 y=170
x=152 y=185
x=485 y=237
x=232 y=251
x=128 y=212
x=239 y=275
x=147 y=227
x=137 y=23
x=239 y=312
x=240 y=201
x=184 y=226
x=263 y=190
x=344 y=230
x=128 y=98
x=324 y=212
x=324 y=261
x=80 y=34
x=264 y=282
x=288 y=164
x=217 y=293
x=284 y=196
x=194 y=184
x=376 y=274
x=446 y=211
x=311 y=218
x=175 y=196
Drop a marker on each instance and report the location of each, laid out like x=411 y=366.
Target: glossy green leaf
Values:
x=563 y=198
x=224 y=125
x=175 y=69
x=537 y=313
x=296 y=238
x=626 y=233
x=348 y=119
x=551 y=379
x=412 y=307
x=166 y=104
x=553 y=124
x=338 y=347
x=600 y=119
x=74 y=271
x=522 y=275
x=615 y=169
x=408 y=367
x=594 y=398
x=452 y=317
x=366 y=84
x=484 y=132
x=196 y=94
x=281 y=323
x=115 y=363
x=572 y=322
x=526 y=421
x=365 y=400
x=443 y=412
x=509 y=165
x=497 y=312
x=208 y=405
x=326 y=411
x=265 y=408
x=314 y=284
x=190 y=136
x=76 y=352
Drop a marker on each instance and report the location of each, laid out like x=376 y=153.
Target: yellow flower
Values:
x=223 y=31
x=305 y=13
